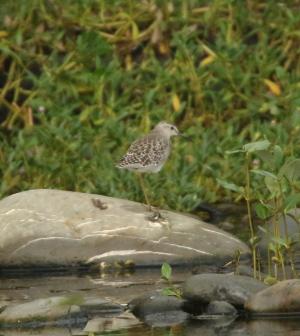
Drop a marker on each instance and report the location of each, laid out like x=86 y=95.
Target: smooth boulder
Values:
x=283 y=297
x=207 y=287
x=53 y=310
x=220 y=308
x=53 y=227
x=47 y=309
x=158 y=309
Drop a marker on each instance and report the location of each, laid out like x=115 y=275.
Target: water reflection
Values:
x=221 y=327
x=122 y=289
x=244 y=328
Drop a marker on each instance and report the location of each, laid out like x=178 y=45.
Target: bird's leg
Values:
x=156 y=216
x=144 y=191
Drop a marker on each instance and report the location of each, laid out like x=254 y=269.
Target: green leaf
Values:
x=272 y=185
x=281 y=242
x=230 y=186
x=291 y=170
x=272 y=247
x=234 y=151
x=291 y=202
x=256 y=146
x=172 y=291
x=166 y=271
x=168 y=291
x=264 y=173
x=262 y=211
x=266 y=156
x=84 y=115
x=90 y=44
x=269 y=280
x=278 y=156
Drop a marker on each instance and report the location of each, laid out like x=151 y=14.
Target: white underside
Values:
x=147 y=169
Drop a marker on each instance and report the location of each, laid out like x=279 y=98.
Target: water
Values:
x=121 y=288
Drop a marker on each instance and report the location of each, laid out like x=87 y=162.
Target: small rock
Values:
x=165 y=319
x=244 y=270
x=220 y=308
x=100 y=306
x=158 y=310
x=234 y=289
x=282 y=297
x=104 y=324
x=227 y=226
x=154 y=302
x=41 y=309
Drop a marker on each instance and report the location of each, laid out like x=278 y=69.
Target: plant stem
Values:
x=247 y=197
x=289 y=249
x=269 y=263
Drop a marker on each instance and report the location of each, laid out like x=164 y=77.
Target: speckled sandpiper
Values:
x=149 y=154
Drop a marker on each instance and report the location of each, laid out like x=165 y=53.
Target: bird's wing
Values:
x=145 y=151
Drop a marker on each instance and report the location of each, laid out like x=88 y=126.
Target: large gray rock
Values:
x=38 y=310
x=283 y=297
x=54 y=309
x=52 y=227
x=234 y=289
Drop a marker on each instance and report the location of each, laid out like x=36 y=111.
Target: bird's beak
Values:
x=184 y=136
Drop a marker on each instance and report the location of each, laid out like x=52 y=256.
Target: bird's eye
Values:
x=172 y=128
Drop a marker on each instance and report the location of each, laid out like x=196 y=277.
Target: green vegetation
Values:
x=166 y=274
x=276 y=197
x=81 y=79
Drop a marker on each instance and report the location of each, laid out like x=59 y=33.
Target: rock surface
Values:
x=234 y=289
x=52 y=227
x=157 y=309
x=106 y=324
x=37 y=310
x=243 y=327
x=53 y=309
x=220 y=308
x=154 y=302
x=282 y=297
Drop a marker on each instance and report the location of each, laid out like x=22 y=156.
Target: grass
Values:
x=80 y=80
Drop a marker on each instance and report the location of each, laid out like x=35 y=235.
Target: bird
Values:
x=149 y=153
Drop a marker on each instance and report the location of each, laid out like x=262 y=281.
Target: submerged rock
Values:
x=115 y=323
x=283 y=297
x=52 y=227
x=38 y=310
x=234 y=289
x=157 y=309
x=220 y=308
x=53 y=310
x=154 y=302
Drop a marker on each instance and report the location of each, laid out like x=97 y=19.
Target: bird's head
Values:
x=167 y=129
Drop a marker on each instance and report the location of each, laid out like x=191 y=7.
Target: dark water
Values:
x=121 y=288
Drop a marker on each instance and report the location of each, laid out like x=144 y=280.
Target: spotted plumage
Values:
x=149 y=153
